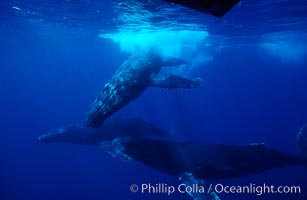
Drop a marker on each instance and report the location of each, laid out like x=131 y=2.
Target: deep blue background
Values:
x=249 y=96
x=49 y=80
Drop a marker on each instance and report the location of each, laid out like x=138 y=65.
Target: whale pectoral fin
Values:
x=189 y=179
x=173 y=81
x=173 y=61
x=115 y=149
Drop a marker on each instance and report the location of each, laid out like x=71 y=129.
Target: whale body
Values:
x=205 y=161
x=137 y=73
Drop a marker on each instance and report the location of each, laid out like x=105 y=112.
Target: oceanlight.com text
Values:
x=256 y=189
x=163 y=188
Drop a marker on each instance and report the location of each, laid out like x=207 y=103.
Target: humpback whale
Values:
x=147 y=144
x=137 y=73
x=204 y=161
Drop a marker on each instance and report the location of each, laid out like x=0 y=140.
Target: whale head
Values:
x=75 y=134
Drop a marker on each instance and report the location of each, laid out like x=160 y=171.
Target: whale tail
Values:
x=302 y=142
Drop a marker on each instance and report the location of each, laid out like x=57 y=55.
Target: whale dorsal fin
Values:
x=173 y=81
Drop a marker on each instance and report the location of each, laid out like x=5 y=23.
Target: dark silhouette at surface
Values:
x=217 y=8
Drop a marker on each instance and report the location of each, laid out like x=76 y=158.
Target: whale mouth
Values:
x=102 y=108
x=54 y=135
x=94 y=120
x=95 y=116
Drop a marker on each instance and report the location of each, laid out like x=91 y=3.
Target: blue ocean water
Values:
x=57 y=55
